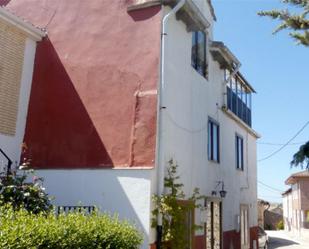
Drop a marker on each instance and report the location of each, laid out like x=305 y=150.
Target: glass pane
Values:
x=237 y=149
x=215 y=143
x=242 y=154
x=194 y=49
x=209 y=140
x=201 y=52
x=239 y=152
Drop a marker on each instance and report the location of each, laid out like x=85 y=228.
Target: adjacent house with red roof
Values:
x=296 y=204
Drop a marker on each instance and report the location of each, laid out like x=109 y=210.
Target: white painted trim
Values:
x=33 y=32
x=239 y=121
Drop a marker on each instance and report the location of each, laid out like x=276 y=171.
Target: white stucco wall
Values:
x=11 y=145
x=126 y=192
x=189 y=100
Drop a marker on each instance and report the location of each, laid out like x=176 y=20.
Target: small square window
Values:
x=213 y=141
x=198 y=55
x=239 y=144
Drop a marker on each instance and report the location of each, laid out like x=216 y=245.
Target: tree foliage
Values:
x=297 y=22
x=301 y=158
x=170 y=207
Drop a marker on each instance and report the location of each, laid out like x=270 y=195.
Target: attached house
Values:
x=120 y=88
x=17 y=51
x=296 y=204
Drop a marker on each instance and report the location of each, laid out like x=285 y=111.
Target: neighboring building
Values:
x=17 y=51
x=262 y=207
x=273 y=217
x=296 y=204
x=105 y=118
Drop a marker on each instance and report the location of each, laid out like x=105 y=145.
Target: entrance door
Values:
x=188 y=219
x=244 y=226
x=214 y=223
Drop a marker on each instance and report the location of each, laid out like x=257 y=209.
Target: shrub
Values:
x=14 y=190
x=23 y=230
x=280 y=225
x=174 y=213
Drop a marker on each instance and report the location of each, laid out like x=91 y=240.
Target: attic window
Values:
x=198 y=54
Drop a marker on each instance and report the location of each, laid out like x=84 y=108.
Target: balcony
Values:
x=239 y=97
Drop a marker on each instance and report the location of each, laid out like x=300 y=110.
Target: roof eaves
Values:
x=212 y=10
x=287 y=192
x=32 y=31
x=227 y=59
x=294 y=177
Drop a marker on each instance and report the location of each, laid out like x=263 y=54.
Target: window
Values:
x=239 y=152
x=213 y=141
x=198 y=55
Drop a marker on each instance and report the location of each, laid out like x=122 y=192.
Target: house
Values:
x=120 y=88
x=17 y=51
x=296 y=204
x=273 y=217
x=263 y=206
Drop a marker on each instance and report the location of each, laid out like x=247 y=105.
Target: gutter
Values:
x=160 y=165
x=32 y=31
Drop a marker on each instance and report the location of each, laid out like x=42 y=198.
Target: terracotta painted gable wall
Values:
x=93 y=100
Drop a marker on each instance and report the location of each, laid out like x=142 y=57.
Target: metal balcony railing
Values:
x=237 y=105
x=8 y=165
x=67 y=209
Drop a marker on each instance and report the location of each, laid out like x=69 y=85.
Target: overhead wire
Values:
x=270 y=187
x=279 y=144
x=284 y=145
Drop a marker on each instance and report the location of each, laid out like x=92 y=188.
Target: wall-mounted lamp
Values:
x=222 y=192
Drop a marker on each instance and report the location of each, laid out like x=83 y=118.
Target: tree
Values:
x=302 y=156
x=297 y=22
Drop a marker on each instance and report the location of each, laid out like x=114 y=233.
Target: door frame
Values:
x=219 y=201
x=192 y=235
x=246 y=245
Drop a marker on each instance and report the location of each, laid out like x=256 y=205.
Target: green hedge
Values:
x=23 y=230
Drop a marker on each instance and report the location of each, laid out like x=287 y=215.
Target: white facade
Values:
x=190 y=100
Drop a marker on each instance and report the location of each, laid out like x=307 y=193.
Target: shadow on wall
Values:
x=4 y=2
x=144 y=14
x=125 y=192
x=59 y=131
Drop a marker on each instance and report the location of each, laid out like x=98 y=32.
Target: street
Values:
x=279 y=239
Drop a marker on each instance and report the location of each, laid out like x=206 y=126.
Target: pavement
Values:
x=281 y=239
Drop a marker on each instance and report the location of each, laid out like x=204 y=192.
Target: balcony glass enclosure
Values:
x=238 y=97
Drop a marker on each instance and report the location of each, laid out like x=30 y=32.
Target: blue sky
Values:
x=279 y=71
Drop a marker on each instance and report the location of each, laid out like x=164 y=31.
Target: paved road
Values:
x=279 y=239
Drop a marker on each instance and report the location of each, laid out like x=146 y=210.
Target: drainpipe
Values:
x=160 y=155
